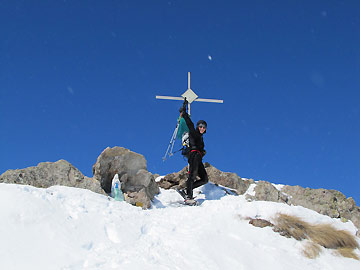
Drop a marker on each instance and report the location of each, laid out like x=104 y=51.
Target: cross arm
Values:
x=209 y=100
x=168 y=97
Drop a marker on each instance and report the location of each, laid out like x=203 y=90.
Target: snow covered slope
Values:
x=69 y=228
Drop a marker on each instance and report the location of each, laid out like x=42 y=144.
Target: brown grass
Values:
x=348 y=253
x=311 y=250
x=323 y=235
x=329 y=237
x=291 y=226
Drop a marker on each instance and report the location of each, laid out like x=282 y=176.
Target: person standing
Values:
x=195 y=156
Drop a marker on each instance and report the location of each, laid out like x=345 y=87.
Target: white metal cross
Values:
x=190 y=96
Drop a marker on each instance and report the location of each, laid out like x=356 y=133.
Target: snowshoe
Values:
x=190 y=202
x=187 y=200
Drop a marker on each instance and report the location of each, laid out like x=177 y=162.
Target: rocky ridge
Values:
x=139 y=185
x=47 y=174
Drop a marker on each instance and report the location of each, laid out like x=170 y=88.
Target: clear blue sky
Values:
x=78 y=76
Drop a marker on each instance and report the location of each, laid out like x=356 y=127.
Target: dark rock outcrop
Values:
x=47 y=174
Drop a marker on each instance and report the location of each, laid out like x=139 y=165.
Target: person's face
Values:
x=202 y=129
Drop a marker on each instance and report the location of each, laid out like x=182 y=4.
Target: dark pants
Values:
x=196 y=168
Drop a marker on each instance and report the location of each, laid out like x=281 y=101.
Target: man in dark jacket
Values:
x=197 y=151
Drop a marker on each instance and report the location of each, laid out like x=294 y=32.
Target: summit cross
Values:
x=190 y=96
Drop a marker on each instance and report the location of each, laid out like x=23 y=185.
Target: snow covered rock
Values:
x=47 y=174
x=132 y=170
x=265 y=191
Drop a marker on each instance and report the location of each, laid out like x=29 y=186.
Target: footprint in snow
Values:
x=112 y=233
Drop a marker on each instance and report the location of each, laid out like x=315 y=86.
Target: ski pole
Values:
x=172 y=140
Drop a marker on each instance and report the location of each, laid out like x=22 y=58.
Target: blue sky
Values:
x=78 y=76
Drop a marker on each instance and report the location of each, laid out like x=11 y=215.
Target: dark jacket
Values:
x=195 y=137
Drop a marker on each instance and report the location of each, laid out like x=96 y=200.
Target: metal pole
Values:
x=209 y=100
x=188 y=80
x=171 y=98
x=171 y=142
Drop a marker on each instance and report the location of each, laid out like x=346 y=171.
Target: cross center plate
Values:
x=189 y=95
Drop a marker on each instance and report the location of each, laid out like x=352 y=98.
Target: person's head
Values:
x=201 y=126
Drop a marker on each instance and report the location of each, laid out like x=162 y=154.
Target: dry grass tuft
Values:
x=320 y=235
x=291 y=226
x=329 y=237
x=348 y=253
x=311 y=250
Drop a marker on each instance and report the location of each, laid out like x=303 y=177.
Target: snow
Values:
x=278 y=186
x=157 y=179
x=69 y=228
x=251 y=190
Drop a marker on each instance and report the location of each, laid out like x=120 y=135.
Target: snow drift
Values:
x=70 y=228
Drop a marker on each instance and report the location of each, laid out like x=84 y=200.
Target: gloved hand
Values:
x=182 y=109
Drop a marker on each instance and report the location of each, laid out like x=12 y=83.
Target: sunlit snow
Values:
x=69 y=228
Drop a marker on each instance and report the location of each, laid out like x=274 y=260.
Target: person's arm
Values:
x=188 y=121
x=186 y=117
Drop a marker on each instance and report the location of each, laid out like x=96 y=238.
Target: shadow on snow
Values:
x=208 y=192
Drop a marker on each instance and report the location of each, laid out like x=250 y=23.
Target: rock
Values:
x=227 y=179
x=117 y=160
x=261 y=223
x=321 y=200
x=139 y=198
x=137 y=182
x=327 y=202
x=47 y=174
x=146 y=180
x=174 y=180
x=265 y=191
x=355 y=218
